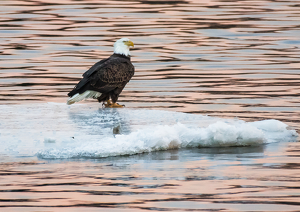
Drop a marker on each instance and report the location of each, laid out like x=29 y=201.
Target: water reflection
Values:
x=212 y=57
x=237 y=178
x=104 y=121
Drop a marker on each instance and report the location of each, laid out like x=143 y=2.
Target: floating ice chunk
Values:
x=223 y=134
x=154 y=138
x=270 y=125
x=59 y=131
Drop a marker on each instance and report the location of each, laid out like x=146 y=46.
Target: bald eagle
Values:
x=106 y=79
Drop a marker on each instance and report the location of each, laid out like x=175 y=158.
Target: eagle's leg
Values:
x=107 y=103
x=104 y=98
x=114 y=95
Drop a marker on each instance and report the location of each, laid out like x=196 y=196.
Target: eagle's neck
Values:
x=121 y=55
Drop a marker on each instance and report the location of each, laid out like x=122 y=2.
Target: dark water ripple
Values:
x=191 y=186
x=227 y=58
x=222 y=58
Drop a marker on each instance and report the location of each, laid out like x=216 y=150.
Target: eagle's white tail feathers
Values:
x=85 y=95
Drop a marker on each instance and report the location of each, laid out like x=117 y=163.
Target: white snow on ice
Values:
x=54 y=131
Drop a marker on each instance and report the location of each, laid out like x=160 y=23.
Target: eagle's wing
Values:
x=94 y=68
x=113 y=73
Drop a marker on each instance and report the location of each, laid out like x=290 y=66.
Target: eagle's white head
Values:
x=122 y=46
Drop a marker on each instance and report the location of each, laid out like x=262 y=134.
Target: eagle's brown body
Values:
x=108 y=77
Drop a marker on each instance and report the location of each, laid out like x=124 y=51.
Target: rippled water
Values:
x=219 y=58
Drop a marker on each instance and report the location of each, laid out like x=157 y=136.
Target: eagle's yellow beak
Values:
x=129 y=43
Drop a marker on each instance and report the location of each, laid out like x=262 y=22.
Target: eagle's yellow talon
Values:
x=110 y=104
x=116 y=105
